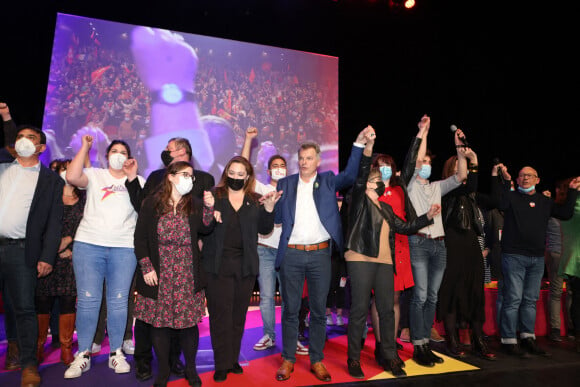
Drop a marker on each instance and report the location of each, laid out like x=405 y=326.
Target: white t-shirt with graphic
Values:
x=109 y=218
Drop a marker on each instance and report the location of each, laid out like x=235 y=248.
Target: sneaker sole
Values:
x=263 y=348
x=83 y=370
x=117 y=371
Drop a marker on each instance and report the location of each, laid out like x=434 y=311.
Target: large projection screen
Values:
x=145 y=85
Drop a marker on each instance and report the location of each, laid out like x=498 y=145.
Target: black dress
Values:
x=461 y=290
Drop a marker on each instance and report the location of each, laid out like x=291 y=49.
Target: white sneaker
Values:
x=329 y=320
x=339 y=320
x=264 y=343
x=81 y=363
x=96 y=348
x=118 y=363
x=128 y=347
x=300 y=349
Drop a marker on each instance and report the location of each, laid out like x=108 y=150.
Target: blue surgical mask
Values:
x=526 y=190
x=425 y=171
x=386 y=172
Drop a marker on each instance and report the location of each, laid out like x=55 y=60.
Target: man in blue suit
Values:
x=30 y=232
x=308 y=212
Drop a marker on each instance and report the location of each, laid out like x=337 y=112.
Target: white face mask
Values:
x=24 y=147
x=63 y=176
x=278 y=173
x=116 y=160
x=184 y=185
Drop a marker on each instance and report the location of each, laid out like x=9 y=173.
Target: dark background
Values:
x=503 y=72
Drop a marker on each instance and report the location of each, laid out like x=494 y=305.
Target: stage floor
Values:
x=563 y=368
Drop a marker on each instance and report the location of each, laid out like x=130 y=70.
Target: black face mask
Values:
x=380 y=190
x=166 y=157
x=236 y=184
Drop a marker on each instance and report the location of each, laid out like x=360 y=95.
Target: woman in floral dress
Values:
x=170 y=287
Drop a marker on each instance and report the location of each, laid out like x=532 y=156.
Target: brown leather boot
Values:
x=12 y=356
x=30 y=377
x=66 y=328
x=43 y=322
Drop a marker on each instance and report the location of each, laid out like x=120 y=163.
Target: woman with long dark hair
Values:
x=170 y=280
x=230 y=259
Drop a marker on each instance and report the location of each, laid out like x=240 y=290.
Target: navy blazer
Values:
x=324 y=192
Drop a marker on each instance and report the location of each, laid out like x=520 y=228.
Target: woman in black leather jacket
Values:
x=370 y=263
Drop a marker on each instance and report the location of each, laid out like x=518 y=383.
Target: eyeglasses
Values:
x=185 y=174
x=527 y=175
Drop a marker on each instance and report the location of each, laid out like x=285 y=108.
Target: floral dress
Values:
x=61 y=281
x=177 y=305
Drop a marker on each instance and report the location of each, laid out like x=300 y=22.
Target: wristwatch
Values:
x=171 y=94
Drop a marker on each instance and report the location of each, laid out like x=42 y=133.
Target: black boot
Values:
x=434 y=358
x=480 y=348
x=453 y=347
x=530 y=346
x=378 y=353
x=421 y=356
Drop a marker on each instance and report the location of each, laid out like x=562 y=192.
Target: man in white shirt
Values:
x=30 y=231
x=267 y=251
x=308 y=212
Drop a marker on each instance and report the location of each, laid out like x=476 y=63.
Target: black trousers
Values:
x=364 y=277
x=162 y=341
x=144 y=343
x=228 y=299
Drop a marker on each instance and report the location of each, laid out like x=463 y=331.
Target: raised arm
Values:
x=424 y=126
x=251 y=134
x=10 y=129
x=347 y=177
x=74 y=172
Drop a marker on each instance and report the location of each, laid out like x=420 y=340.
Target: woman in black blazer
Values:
x=230 y=259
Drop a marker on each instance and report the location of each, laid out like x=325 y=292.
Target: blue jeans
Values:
x=267 y=282
x=522 y=277
x=20 y=283
x=92 y=265
x=428 y=260
x=316 y=268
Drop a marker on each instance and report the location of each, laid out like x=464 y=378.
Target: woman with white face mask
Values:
x=103 y=251
x=170 y=279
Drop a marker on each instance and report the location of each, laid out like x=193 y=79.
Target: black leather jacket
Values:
x=459 y=207
x=365 y=219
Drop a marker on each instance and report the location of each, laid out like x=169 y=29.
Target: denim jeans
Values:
x=428 y=260
x=94 y=264
x=267 y=282
x=20 y=283
x=522 y=277
x=315 y=267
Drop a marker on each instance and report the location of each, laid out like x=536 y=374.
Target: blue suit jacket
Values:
x=324 y=192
